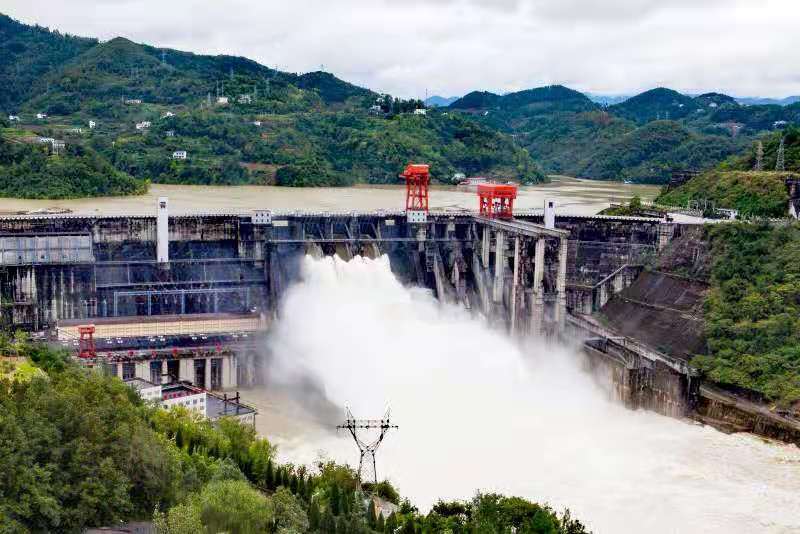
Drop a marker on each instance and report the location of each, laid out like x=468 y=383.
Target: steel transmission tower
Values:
x=367 y=447
x=779 y=161
x=759 y=157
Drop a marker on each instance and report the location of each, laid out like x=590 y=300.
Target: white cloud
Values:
x=743 y=47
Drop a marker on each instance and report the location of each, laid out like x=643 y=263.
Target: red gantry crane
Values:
x=86 y=347
x=496 y=201
x=417 y=178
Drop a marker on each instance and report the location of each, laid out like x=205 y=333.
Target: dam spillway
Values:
x=57 y=267
x=152 y=284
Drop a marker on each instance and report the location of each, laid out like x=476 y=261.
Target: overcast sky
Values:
x=450 y=47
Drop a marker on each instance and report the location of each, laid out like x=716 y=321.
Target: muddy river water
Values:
x=571 y=195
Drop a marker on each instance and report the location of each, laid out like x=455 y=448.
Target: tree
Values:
x=334 y=500
x=342 y=526
x=288 y=516
x=62 y=468
x=409 y=526
x=328 y=522
x=380 y=525
x=371 y=519
x=314 y=516
x=232 y=506
x=391 y=524
x=180 y=519
x=269 y=476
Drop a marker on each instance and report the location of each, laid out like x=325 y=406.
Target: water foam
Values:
x=479 y=412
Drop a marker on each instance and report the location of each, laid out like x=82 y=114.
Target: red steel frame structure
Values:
x=86 y=347
x=417 y=179
x=496 y=201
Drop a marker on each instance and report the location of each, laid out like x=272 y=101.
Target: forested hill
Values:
x=641 y=139
x=27 y=54
x=238 y=121
x=551 y=97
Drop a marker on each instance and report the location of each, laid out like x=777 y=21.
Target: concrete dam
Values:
x=190 y=296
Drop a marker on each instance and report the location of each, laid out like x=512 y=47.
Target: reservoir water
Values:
x=572 y=195
x=479 y=412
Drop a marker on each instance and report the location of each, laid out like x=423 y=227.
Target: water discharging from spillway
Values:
x=479 y=412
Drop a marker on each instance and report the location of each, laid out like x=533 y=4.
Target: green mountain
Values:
x=649 y=153
x=656 y=104
x=642 y=139
x=238 y=121
x=28 y=53
x=527 y=102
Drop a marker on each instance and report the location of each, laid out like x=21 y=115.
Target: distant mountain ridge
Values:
x=642 y=138
x=437 y=101
x=758 y=101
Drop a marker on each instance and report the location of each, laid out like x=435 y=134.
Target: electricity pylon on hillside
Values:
x=759 y=157
x=367 y=472
x=779 y=161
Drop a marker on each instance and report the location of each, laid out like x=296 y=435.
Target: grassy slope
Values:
x=753 y=194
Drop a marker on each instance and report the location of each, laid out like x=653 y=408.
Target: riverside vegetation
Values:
x=79 y=449
x=752 y=313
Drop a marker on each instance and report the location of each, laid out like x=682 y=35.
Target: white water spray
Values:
x=476 y=412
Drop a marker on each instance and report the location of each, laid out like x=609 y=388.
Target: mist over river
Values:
x=479 y=412
x=584 y=197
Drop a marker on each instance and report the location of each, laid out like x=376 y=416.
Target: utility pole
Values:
x=367 y=471
x=779 y=160
x=759 y=157
x=164 y=57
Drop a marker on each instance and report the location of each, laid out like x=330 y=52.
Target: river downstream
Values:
x=479 y=412
x=583 y=197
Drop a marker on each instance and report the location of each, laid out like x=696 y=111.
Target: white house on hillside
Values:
x=420 y=111
x=13 y=118
x=222 y=100
x=179 y=154
x=41 y=116
x=92 y=124
x=143 y=125
x=167 y=115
